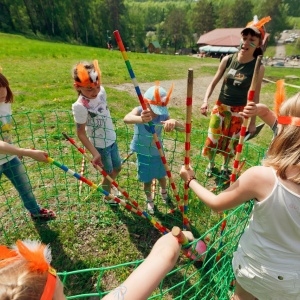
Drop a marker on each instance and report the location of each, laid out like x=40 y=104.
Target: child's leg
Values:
x=241 y=294
x=163 y=190
x=16 y=173
x=149 y=199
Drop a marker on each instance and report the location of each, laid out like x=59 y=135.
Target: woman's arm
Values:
x=143 y=280
x=212 y=85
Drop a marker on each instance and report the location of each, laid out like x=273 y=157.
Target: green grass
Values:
x=87 y=233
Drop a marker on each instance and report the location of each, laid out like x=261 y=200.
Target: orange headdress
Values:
x=88 y=79
x=258 y=25
x=37 y=257
x=279 y=98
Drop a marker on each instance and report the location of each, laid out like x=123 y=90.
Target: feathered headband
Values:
x=157 y=99
x=258 y=25
x=88 y=79
x=279 y=98
x=38 y=258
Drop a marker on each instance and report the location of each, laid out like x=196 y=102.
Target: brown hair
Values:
x=18 y=283
x=4 y=83
x=285 y=148
x=246 y=31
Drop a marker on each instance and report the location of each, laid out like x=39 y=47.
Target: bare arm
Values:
x=172 y=124
x=212 y=85
x=141 y=283
x=134 y=117
x=241 y=191
x=88 y=145
x=38 y=155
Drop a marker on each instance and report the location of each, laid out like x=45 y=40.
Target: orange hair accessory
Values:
x=259 y=24
x=288 y=120
x=157 y=99
x=279 y=96
x=38 y=258
x=88 y=79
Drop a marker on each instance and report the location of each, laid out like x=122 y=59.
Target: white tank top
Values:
x=273 y=234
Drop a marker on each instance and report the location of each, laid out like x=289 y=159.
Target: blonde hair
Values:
x=285 y=148
x=17 y=282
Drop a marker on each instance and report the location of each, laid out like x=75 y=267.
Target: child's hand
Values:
x=186 y=174
x=204 y=109
x=38 y=155
x=146 y=116
x=96 y=161
x=250 y=110
x=169 y=125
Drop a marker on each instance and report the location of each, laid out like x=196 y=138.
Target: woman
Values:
x=226 y=121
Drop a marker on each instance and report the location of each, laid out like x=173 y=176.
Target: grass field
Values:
x=86 y=233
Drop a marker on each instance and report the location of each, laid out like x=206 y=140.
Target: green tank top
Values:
x=237 y=81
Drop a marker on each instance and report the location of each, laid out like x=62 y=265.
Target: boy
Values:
x=95 y=128
x=149 y=161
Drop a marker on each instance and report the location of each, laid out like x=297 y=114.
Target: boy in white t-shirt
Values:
x=95 y=128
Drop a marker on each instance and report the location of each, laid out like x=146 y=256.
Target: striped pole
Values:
x=188 y=127
x=151 y=125
x=113 y=182
x=118 y=200
x=81 y=173
x=239 y=147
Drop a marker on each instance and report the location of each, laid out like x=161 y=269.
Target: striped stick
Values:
x=143 y=214
x=151 y=125
x=81 y=173
x=126 y=157
x=239 y=147
x=188 y=127
x=113 y=182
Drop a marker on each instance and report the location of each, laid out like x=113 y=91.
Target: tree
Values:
x=176 y=28
x=203 y=18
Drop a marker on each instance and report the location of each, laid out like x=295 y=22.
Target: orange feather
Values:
x=6 y=252
x=279 y=96
x=262 y=22
x=82 y=73
x=36 y=257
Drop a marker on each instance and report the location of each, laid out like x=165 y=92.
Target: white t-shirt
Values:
x=5 y=129
x=96 y=115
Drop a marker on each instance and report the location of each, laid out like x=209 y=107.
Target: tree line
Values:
x=174 y=24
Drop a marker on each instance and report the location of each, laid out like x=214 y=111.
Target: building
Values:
x=224 y=40
x=154 y=47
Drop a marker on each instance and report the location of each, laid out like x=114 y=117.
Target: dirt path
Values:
x=178 y=98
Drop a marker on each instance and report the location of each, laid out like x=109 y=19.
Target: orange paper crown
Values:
x=38 y=258
x=279 y=98
x=259 y=24
x=88 y=79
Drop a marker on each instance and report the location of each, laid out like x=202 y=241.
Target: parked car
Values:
x=277 y=64
x=289 y=40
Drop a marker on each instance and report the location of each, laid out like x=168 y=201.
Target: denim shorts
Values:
x=263 y=281
x=110 y=158
x=150 y=167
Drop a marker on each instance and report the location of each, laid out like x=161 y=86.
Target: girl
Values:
x=10 y=165
x=225 y=121
x=266 y=263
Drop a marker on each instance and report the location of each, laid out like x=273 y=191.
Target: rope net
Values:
x=88 y=237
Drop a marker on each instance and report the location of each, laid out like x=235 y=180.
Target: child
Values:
x=149 y=161
x=10 y=165
x=95 y=128
x=266 y=263
x=36 y=279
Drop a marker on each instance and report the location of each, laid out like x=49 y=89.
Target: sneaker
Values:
x=109 y=201
x=115 y=191
x=44 y=215
x=150 y=207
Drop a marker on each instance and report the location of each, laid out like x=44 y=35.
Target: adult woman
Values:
x=237 y=69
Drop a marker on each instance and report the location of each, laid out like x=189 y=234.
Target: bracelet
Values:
x=187 y=183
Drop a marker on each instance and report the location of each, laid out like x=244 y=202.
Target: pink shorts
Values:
x=265 y=282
